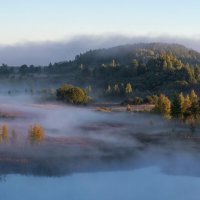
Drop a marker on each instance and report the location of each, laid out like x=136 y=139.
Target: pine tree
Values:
x=177 y=107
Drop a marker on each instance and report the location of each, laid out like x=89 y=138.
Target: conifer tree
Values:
x=187 y=104
x=177 y=106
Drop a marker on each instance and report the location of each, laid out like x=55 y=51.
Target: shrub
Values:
x=72 y=94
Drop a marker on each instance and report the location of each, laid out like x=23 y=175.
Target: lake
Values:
x=140 y=184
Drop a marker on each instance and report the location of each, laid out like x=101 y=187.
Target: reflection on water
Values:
x=141 y=184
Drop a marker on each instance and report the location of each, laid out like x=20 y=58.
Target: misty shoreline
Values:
x=85 y=140
x=59 y=156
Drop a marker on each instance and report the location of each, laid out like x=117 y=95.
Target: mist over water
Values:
x=99 y=100
x=109 y=155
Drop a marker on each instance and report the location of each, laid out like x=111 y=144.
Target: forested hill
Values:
x=149 y=68
x=142 y=51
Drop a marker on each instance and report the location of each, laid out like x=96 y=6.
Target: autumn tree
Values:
x=195 y=108
x=4 y=132
x=193 y=96
x=163 y=105
x=128 y=89
x=36 y=133
x=187 y=104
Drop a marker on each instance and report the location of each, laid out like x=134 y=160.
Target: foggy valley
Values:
x=82 y=144
x=99 y=100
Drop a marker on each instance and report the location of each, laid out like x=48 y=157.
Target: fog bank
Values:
x=42 y=53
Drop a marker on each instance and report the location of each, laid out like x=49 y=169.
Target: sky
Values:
x=43 y=31
x=50 y=20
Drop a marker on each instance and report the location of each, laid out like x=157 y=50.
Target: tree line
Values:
x=180 y=106
x=148 y=68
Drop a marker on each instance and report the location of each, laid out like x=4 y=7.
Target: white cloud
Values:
x=42 y=53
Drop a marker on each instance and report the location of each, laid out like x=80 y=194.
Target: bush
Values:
x=72 y=94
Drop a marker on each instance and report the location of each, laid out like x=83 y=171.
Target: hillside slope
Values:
x=142 y=51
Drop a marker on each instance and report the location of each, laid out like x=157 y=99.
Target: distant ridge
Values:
x=143 y=51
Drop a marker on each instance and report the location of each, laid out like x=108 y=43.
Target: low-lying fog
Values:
x=95 y=155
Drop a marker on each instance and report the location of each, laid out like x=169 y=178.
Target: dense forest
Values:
x=118 y=72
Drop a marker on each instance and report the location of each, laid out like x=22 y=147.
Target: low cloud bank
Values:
x=42 y=53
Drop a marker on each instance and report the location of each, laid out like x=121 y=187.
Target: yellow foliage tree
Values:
x=193 y=96
x=187 y=103
x=128 y=89
x=163 y=105
x=36 y=133
x=4 y=132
